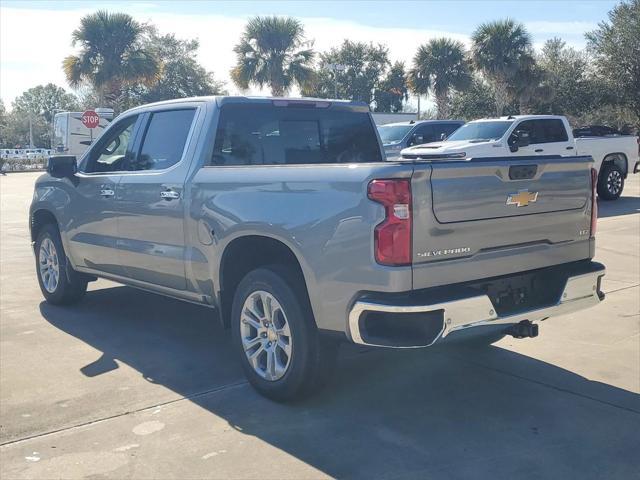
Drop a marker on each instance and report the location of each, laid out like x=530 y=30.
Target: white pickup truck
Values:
x=538 y=135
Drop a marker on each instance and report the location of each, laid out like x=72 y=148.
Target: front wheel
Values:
x=59 y=284
x=610 y=182
x=275 y=335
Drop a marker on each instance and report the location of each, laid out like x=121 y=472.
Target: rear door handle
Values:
x=569 y=148
x=107 y=192
x=169 y=195
x=538 y=150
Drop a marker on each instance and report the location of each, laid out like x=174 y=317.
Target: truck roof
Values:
x=520 y=117
x=221 y=100
x=418 y=122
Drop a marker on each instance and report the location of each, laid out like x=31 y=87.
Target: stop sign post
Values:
x=90 y=119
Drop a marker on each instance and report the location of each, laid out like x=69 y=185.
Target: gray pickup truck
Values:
x=283 y=217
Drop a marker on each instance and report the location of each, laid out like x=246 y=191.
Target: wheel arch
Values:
x=619 y=159
x=39 y=218
x=246 y=253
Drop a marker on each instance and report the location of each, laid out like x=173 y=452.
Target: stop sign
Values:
x=90 y=119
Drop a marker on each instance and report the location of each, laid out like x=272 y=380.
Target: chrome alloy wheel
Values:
x=49 y=266
x=614 y=182
x=266 y=338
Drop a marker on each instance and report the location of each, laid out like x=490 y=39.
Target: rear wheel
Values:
x=275 y=335
x=59 y=283
x=610 y=182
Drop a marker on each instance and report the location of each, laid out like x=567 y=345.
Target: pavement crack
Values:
x=123 y=414
x=622 y=288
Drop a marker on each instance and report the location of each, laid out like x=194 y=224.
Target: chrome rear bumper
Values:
x=580 y=292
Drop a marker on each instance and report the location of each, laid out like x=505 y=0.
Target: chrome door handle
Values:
x=107 y=192
x=169 y=195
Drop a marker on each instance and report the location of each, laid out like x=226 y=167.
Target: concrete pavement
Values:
x=132 y=385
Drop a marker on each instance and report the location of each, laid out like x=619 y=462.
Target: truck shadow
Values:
x=456 y=413
x=621 y=206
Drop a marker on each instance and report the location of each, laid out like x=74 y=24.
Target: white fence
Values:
x=23 y=164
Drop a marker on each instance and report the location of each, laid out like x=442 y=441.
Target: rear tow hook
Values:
x=524 y=329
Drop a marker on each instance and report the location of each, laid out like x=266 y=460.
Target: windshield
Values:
x=480 y=131
x=393 y=133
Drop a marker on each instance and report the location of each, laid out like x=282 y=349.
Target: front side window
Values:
x=164 y=140
x=111 y=152
x=293 y=135
x=424 y=134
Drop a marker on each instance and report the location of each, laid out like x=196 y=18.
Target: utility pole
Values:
x=335 y=68
x=30 y=132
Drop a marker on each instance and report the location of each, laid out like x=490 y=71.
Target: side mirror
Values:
x=61 y=166
x=518 y=139
x=524 y=140
x=443 y=136
x=416 y=139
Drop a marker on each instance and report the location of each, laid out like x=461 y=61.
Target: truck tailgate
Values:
x=489 y=217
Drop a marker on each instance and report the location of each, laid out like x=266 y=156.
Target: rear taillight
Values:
x=392 y=237
x=594 y=202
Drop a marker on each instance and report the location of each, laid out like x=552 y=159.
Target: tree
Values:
x=363 y=67
x=16 y=131
x=38 y=105
x=180 y=74
x=616 y=48
x=567 y=76
x=273 y=52
x=45 y=100
x=499 y=50
x=439 y=67
x=3 y=123
x=393 y=90
x=528 y=86
x=474 y=102
x=111 y=56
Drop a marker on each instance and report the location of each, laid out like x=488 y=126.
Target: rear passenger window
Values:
x=164 y=140
x=554 y=131
x=544 y=131
x=293 y=135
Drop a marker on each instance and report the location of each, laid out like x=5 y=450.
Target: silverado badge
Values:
x=522 y=198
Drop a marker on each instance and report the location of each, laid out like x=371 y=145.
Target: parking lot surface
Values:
x=128 y=384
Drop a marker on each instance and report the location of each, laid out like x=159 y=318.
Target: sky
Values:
x=35 y=36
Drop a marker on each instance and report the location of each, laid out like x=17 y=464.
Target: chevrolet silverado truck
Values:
x=615 y=156
x=283 y=217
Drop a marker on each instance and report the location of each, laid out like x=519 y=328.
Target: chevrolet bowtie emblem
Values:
x=522 y=198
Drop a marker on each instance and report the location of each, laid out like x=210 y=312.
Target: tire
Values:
x=289 y=358
x=59 y=283
x=610 y=182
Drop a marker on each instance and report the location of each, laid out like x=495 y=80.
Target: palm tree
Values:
x=111 y=55
x=529 y=85
x=499 y=50
x=439 y=67
x=273 y=52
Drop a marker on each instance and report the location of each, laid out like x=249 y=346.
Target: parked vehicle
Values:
x=397 y=136
x=71 y=137
x=538 y=135
x=283 y=216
